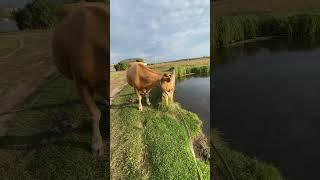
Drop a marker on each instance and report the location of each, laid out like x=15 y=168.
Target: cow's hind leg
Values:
x=87 y=97
x=139 y=99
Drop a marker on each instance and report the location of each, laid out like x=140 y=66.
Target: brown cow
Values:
x=143 y=79
x=80 y=48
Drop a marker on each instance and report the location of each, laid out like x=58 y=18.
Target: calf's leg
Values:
x=139 y=99
x=87 y=97
x=147 y=95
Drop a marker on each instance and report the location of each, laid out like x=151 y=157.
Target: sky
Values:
x=159 y=30
x=13 y=3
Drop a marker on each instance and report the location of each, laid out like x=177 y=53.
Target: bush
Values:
x=124 y=64
x=121 y=66
x=39 y=14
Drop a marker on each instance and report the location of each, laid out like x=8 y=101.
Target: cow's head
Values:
x=167 y=84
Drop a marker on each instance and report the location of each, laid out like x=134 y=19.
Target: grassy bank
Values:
x=51 y=139
x=231 y=29
x=152 y=144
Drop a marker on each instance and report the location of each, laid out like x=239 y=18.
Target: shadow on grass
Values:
x=123 y=105
x=132 y=102
x=50 y=106
x=55 y=134
x=129 y=94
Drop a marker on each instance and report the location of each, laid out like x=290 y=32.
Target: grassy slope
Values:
x=153 y=143
x=62 y=155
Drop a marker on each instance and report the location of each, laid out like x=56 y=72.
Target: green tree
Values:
x=39 y=14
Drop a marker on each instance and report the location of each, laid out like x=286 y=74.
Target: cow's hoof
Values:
x=148 y=103
x=140 y=108
x=97 y=149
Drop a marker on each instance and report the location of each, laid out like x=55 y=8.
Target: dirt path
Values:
x=22 y=71
x=21 y=45
x=118 y=81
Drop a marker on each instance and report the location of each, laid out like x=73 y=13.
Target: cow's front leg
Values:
x=95 y=114
x=147 y=95
x=139 y=99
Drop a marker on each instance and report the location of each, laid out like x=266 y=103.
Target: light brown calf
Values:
x=143 y=79
x=80 y=48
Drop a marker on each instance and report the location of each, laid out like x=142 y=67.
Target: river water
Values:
x=193 y=93
x=8 y=25
x=267 y=103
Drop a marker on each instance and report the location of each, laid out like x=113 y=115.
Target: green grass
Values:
x=231 y=29
x=151 y=144
x=202 y=70
x=163 y=66
x=31 y=151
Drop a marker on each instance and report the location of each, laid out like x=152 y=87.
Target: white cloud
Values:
x=167 y=28
x=154 y=24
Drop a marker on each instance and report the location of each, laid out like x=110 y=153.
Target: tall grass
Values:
x=230 y=29
x=203 y=70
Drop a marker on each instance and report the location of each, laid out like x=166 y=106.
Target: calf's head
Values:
x=167 y=84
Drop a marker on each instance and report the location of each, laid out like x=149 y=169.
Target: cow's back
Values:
x=141 y=77
x=80 y=45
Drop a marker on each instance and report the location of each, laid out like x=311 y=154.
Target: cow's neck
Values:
x=157 y=75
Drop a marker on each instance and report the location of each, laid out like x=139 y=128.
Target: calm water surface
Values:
x=267 y=104
x=193 y=94
x=8 y=26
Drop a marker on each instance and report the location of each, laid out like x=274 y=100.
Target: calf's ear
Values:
x=166 y=77
x=173 y=74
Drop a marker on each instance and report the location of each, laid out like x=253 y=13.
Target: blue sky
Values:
x=161 y=30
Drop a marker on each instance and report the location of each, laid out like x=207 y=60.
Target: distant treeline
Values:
x=231 y=29
x=202 y=70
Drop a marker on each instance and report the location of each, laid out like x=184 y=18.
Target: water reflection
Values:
x=193 y=93
x=7 y=25
x=266 y=102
